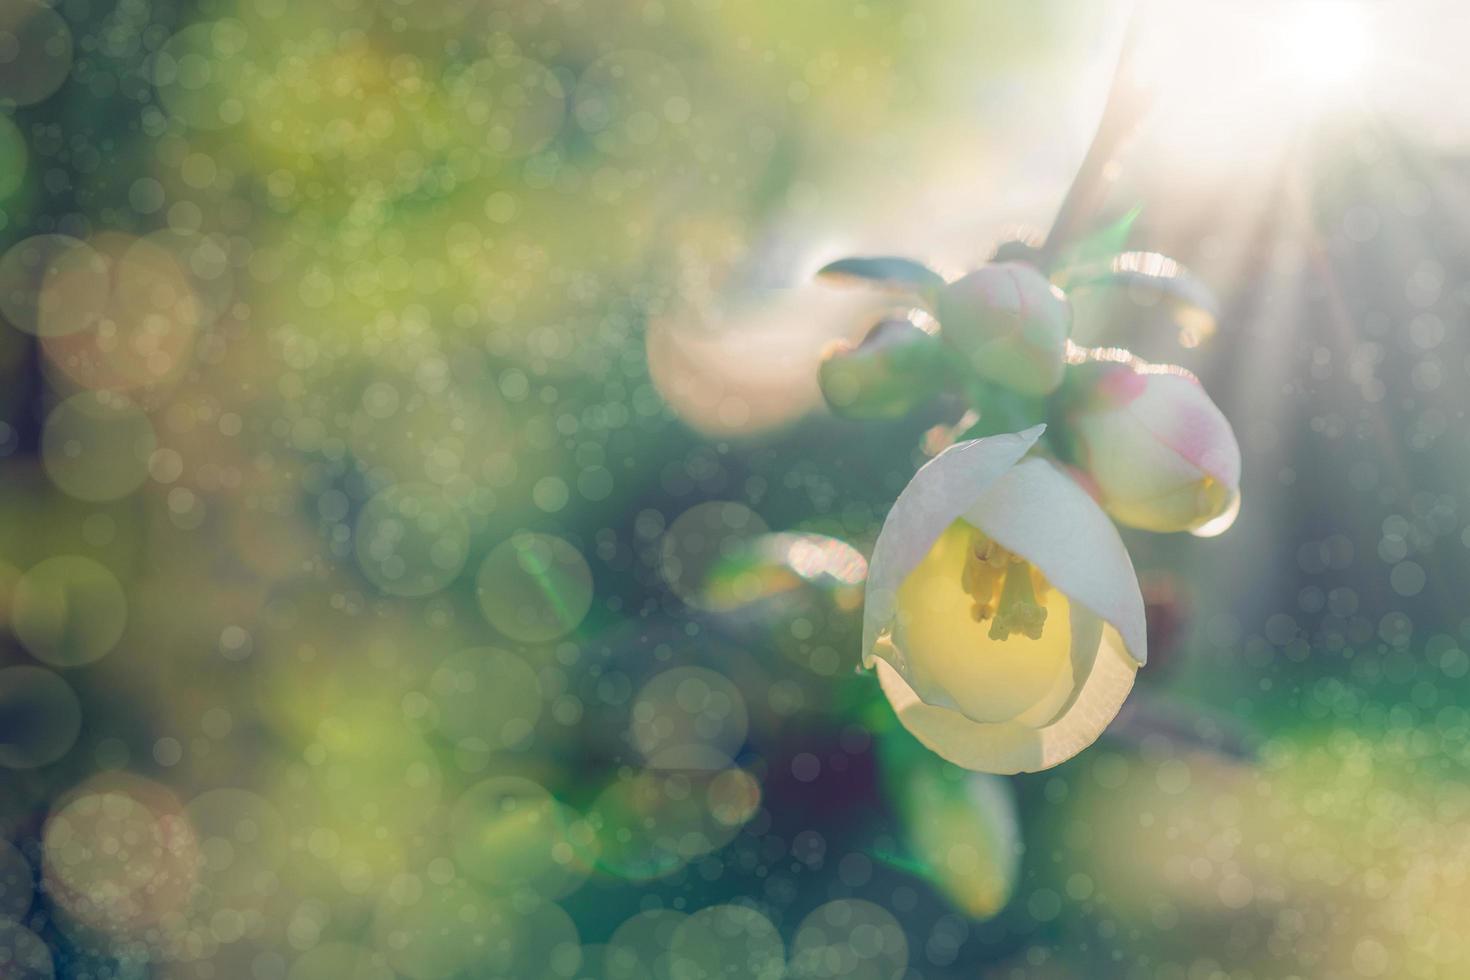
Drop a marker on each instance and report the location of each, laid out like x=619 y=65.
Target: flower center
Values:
x=1004 y=589
x=968 y=629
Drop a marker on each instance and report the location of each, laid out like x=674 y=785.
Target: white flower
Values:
x=1002 y=612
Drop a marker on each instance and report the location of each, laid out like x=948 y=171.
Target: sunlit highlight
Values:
x=1232 y=81
x=1323 y=45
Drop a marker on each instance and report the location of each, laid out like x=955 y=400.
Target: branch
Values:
x=1128 y=101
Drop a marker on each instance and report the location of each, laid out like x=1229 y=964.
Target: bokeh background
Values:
x=424 y=553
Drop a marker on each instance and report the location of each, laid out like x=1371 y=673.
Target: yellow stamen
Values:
x=985 y=564
x=1004 y=589
x=937 y=641
x=1020 y=611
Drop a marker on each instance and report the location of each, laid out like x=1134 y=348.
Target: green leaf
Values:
x=886 y=272
x=960 y=827
x=1099 y=246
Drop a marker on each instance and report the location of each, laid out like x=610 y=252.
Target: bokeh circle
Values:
x=35 y=52
x=96 y=446
x=535 y=587
x=725 y=942
x=40 y=717
x=23 y=954
x=411 y=540
x=487 y=694
x=69 y=610
x=849 y=938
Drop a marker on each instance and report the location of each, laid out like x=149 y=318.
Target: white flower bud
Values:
x=1010 y=324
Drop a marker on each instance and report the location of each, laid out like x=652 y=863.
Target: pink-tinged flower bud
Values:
x=1010 y=324
x=1153 y=448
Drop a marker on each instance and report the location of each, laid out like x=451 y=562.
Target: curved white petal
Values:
x=1009 y=747
x=940 y=492
x=1041 y=514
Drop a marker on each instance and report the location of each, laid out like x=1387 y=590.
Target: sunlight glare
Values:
x=1233 y=81
x=1323 y=44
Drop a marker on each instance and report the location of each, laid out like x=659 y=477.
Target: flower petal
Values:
x=1008 y=747
x=1041 y=514
x=940 y=492
x=1221 y=524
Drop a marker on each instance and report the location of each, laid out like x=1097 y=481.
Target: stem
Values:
x=1001 y=410
x=1127 y=103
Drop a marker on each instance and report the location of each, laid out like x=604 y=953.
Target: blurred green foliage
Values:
x=418 y=375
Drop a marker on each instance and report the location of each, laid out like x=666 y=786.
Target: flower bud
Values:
x=1010 y=324
x=886 y=376
x=1153 y=448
